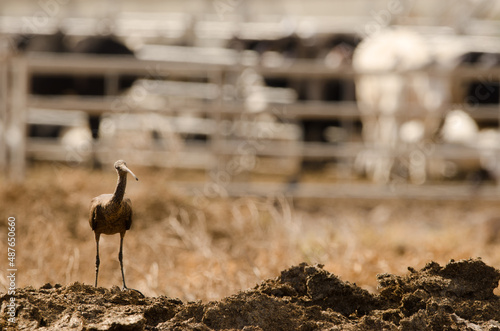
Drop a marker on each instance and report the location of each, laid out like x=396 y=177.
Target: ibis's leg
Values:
x=97 y=236
x=120 y=257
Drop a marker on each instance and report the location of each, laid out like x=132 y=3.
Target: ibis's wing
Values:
x=95 y=213
x=128 y=212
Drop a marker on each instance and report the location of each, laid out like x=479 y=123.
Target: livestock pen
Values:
x=213 y=114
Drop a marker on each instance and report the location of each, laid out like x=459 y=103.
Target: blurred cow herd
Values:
x=408 y=102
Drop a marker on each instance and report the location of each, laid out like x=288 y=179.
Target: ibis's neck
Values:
x=120 y=188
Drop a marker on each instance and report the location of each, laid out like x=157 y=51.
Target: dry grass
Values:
x=178 y=250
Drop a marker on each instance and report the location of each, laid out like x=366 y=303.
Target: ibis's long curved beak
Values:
x=130 y=172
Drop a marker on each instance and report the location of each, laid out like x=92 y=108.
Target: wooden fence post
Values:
x=16 y=129
x=4 y=102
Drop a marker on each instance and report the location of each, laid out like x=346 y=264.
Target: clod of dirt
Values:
x=313 y=286
x=458 y=296
x=454 y=296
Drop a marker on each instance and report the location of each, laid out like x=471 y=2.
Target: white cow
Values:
x=385 y=93
x=459 y=128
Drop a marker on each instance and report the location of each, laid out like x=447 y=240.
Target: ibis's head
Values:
x=121 y=167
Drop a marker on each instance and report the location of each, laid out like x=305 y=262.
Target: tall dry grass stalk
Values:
x=176 y=249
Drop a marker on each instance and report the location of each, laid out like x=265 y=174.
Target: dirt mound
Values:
x=458 y=296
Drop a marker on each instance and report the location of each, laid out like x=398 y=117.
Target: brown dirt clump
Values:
x=458 y=296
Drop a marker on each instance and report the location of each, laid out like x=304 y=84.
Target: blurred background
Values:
x=263 y=134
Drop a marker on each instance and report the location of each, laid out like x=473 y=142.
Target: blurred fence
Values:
x=214 y=112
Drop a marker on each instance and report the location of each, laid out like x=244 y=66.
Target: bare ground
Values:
x=458 y=296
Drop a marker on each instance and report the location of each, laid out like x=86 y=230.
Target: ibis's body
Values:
x=112 y=213
x=108 y=217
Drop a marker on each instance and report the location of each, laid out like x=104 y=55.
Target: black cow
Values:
x=334 y=51
x=96 y=85
x=47 y=84
x=483 y=91
x=486 y=89
x=42 y=84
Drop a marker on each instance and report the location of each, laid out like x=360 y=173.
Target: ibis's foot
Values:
x=132 y=289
